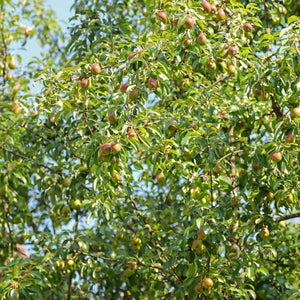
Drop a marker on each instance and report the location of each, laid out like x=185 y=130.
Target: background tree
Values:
x=162 y=163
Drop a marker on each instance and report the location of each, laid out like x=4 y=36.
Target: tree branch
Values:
x=70 y=285
x=288 y=217
x=231 y=153
x=41 y=165
x=276 y=107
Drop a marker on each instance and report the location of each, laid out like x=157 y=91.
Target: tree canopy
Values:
x=159 y=158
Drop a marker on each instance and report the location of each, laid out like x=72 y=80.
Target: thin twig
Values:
x=231 y=153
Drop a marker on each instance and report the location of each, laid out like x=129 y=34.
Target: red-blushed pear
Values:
x=124 y=87
x=136 y=243
x=134 y=94
x=195 y=193
x=211 y=65
x=9 y=77
x=217 y=169
x=160 y=177
x=198 y=247
x=16 y=109
x=247 y=27
x=296 y=112
x=152 y=84
x=221 y=14
x=27 y=31
x=175 y=22
x=276 y=156
x=264 y=232
x=202 y=39
x=289 y=198
x=85 y=84
x=130 y=270
x=105 y=149
x=131 y=133
x=116 y=148
x=231 y=69
x=16 y=88
x=198 y=288
x=112 y=119
x=162 y=16
x=96 y=69
x=131 y=56
x=52 y=118
x=256 y=92
x=12 y=63
x=194 y=124
x=117 y=176
x=208 y=283
x=213 y=8
x=201 y=235
x=206 y=6
x=187 y=42
x=132 y=265
x=232 y=50
x=284 y=10
x=134 y=240
x=290 y=138
x=189 y=22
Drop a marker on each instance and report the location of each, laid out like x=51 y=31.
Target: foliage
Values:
x=147 y=190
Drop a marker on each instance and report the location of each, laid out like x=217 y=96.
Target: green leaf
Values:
x=265 y=271
x=225 y=179
x=294 y=296
x=192 y=270
x=292 y=19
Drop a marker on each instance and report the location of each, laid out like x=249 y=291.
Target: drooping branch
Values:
x=41 y=165
x=288 y=217
x=27 y=158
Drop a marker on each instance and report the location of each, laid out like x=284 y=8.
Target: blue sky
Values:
x=63 y=13
x=62 y=10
